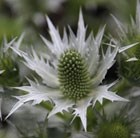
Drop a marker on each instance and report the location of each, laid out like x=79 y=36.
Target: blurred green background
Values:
x=17 y=16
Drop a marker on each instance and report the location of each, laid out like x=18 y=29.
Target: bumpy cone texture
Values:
x=113 y=130
x=73 y=75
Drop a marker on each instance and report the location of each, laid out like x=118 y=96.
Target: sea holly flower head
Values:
x=9 y=68
x=114 y=130
x=129 y=32
x=124 y=123
x=9 y=63
x=71 y=72
x=129 y=62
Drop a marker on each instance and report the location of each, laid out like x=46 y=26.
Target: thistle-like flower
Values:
x=9 y=64
x=71 y=72
x=122 y=124
x=130 y=33
x=9 y=68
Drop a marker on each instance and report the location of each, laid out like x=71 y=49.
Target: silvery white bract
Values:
x=71 y=72
x=1 y=90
